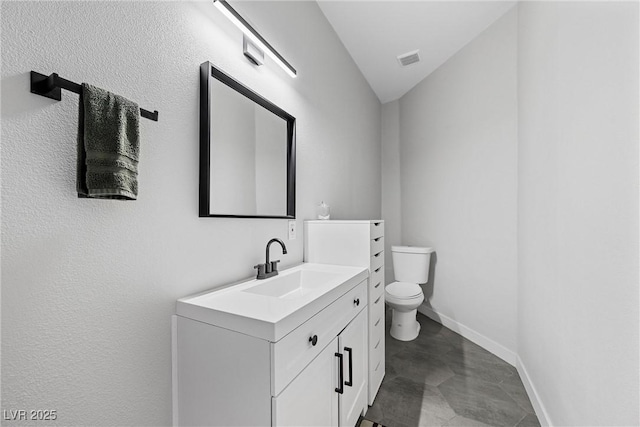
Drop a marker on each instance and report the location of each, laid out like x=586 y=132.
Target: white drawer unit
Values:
x=357 y=243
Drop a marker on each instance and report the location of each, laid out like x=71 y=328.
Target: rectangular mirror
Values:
x=247 y=151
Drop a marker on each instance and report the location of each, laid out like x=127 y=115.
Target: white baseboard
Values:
x=470 y=334
x=541 y=412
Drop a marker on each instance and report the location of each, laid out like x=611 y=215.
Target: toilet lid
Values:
x=403 y=289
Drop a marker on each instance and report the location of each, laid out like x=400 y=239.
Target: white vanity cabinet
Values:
x=332 y=390
x=314 y=375
x=357 y=243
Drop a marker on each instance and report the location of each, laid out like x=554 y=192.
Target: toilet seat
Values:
x=403 y=290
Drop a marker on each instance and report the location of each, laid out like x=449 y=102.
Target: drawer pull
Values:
x=377 y=344
x=376 y=286
x=313 y=340
x=375 y=224
x=373 y=325
x=378 y=239
x=378 y=254
x=340 y=389
x=356 y=302
x=350 y=382
x=377 y=269
x=377 y=366
x=378 y=300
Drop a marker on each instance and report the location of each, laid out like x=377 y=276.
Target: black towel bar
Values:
x=50 y=86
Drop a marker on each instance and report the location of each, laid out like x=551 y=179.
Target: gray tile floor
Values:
x=443 y=379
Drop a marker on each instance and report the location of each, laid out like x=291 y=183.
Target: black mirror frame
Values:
x=207 y=72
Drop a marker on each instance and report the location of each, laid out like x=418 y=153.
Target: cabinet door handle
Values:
x=313 y=340
x=340 y=389
x=350 y=382
x=356 y=302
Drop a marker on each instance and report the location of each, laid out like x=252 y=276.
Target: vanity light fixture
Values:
x=253 y=35
x=251 y=51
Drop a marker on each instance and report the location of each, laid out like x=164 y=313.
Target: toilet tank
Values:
x=411 y=263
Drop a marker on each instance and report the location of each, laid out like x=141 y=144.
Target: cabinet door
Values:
x=353 y=345
x=311 y=398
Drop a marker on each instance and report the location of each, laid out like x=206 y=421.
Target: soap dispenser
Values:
x=324 y=211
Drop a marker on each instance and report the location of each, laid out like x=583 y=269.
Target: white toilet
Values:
x=404 y=296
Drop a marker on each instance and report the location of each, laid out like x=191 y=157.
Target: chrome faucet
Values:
x=270 y=268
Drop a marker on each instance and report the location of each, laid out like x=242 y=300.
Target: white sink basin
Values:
x=294 y=285
x=273 y=307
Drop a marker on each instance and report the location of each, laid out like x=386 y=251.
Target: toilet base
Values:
x=404 y=326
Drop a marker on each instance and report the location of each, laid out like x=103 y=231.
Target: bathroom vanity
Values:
x=360 y=243
x=290 y=350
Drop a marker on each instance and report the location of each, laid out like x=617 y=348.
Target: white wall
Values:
x=391 y=187
x=88 y=286
x=458 y=151
x=578 y=321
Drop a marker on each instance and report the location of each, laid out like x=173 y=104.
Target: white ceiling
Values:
x=376 y=32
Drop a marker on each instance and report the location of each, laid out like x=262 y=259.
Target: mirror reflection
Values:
x=248 y=156
x=249 y=144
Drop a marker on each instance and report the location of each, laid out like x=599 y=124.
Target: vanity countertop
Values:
x=271 y=308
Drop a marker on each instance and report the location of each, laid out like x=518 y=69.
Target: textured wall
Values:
x=458 y=154
x=578 y=210
x=88 y=286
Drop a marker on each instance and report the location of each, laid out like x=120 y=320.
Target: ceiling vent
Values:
x=409 y=58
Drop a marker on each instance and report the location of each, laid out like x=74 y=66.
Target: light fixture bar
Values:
x=253 y=35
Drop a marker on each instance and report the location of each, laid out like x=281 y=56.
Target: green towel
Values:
x=108 y=145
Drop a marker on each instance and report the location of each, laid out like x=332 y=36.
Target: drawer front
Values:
x=377 y=229
x=378 y=366
x=376 y=312
x=376 y=355
x=376 y=306
x=376 y=335
x=376 y=283
x=377 y=245
x=292 y=354
x=376 y=374
x=377 y=260
x=375 y=291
